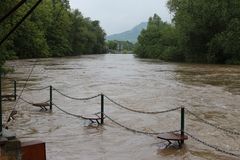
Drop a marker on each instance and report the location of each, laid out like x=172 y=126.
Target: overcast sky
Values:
x=116 y=16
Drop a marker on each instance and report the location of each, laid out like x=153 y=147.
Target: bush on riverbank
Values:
x=203 y=31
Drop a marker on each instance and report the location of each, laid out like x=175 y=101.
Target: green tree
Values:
x=6 y=51
x=58 y=29
x=202 y=31
x=112 y=45
x=204 y=26
x=30 y=41
x=87 y=37
x=124 y=46
x=157 y=41
x=53 y=29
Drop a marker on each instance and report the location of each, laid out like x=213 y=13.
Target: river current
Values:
x=212 y=92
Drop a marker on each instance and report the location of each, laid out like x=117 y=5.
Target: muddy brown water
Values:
x=210 y=91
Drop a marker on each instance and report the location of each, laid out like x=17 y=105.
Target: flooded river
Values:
x=210 y=91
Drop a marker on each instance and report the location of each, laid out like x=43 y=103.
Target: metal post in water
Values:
x=102 y=109
x=15 y=90
x=50 y=98
x=182 y=123
x=0 y=103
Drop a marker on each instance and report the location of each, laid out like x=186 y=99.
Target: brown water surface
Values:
x=210 y=91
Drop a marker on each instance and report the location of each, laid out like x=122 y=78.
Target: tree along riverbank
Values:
x=202 y=32
x=52 y=30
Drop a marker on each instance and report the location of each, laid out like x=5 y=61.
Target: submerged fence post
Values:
x=15 y=90
x=182 y=123
x=102 y=109
x=50 y=98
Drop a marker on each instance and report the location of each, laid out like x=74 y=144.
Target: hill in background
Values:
x=130 y=35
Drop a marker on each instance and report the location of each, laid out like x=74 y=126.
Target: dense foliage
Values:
x=116 y=46
x=202 y=31
x=157 y=41
x=53 y=29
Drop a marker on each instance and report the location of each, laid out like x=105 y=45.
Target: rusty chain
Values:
x=68 y=113
x=31 y=103
x=215 y=126
x=37 y=89
x=212 y=146
x=20 y=95
x=75 y=98
x=137 y=111
x=134 y=130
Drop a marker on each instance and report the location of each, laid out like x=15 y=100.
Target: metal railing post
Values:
x=102 y=109
x=50 y=98
x=182 y=123
x=15 y=90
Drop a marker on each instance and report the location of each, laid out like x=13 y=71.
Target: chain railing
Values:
x=134 y=130
x=117 y=123
x=75 y=98
x=31 y=103
x=126 y=108
x=213 y=125
x=138 y=111
x=68 y=113
x=212 y=146
x=37 y=89
x=20 y=95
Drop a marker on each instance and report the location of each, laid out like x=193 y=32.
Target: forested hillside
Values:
x=202 y=31
x=53 y=29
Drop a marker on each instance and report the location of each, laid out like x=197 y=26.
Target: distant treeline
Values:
x=52 y=30
x=123 y=46
x=203 y=31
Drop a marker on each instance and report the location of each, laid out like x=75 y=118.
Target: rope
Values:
x=136 y=131
x=71 y=114
x=14 y=108
x=37 y=89
x=212 y=146
x=74 y=98
x=31 y=103
x=143 y=112
x=215 y=126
